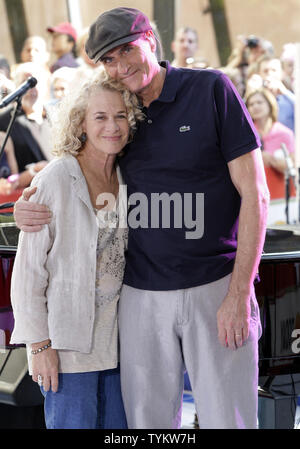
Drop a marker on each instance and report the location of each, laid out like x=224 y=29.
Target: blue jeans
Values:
x=89 y=400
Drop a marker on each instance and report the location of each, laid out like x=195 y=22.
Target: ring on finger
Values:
x=40 y=380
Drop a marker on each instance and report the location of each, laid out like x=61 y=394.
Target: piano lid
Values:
x=282 y=242
x=9 y=233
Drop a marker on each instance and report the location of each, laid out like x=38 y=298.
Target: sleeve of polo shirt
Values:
x=236 y=131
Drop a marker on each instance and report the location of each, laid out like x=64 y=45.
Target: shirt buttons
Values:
x=149 y=121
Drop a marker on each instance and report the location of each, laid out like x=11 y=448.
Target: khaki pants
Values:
x=161 y=333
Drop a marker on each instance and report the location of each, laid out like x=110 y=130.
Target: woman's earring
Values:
x=83 y=138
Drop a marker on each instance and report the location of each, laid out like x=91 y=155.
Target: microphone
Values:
x=6 y=205
x=291 y=171
x=29 y=84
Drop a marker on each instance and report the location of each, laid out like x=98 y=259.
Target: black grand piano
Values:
x=278 y=295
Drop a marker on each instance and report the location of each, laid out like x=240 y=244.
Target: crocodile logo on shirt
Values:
x=184 y=129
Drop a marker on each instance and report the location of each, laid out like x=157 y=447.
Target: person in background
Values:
x=63 y=45
x=9 y=173
x=268 y=73
x=6 y=84
x=86 y=65
x=263 y=108
x=184 y=46
x=287 y=59
x=61 y=81
x=246 y=52
x=35 y=50
x=234 y=74
x=198 y=63
x=30 y=134
x=82 y=58
x=8 y=163
x=73 y=322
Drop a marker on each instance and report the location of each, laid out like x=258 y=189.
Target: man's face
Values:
x=61 y=44
x=271 y=69
x=185 y=45
x=133 y=64
x=60 y=88
x=34 y=50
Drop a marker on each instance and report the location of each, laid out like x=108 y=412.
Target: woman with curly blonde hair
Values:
x=67 y=277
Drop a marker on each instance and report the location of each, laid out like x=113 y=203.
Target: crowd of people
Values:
x=257 y=73
x=109 y=349
x=28 y=148
x=266 y=82
x=252 y=66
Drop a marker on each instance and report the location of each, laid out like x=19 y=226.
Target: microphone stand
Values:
x=287 y=195
x=299 y=195
x=16 y=110
x=289 y=173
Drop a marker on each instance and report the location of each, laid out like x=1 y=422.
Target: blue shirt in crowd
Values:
x=286 y=110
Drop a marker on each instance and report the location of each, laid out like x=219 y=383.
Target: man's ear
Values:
x=151 y=38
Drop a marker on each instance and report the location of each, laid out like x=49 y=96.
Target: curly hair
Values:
x=70 y=113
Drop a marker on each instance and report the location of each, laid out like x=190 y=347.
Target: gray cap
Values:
x=113 y=28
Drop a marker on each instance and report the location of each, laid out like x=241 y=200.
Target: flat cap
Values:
x=113 y=28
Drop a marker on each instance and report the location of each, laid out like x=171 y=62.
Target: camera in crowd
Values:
x=252 y=41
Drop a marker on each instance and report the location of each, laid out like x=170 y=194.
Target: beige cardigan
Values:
x=53 y=280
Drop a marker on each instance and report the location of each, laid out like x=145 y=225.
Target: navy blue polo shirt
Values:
x=180 y=152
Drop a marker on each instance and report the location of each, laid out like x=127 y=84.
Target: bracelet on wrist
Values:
x=13 y=178
x=43 y=348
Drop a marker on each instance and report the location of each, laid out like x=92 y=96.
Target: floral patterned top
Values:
x=110 y=254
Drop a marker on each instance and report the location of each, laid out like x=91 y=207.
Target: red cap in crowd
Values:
x=64 y=28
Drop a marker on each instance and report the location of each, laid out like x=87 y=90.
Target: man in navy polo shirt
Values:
x=188 y=298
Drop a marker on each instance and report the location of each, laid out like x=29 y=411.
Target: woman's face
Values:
x=106 y=123
x=258 y=107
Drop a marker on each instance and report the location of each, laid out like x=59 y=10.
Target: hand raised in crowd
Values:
x=275 y=85
x=254 y=82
